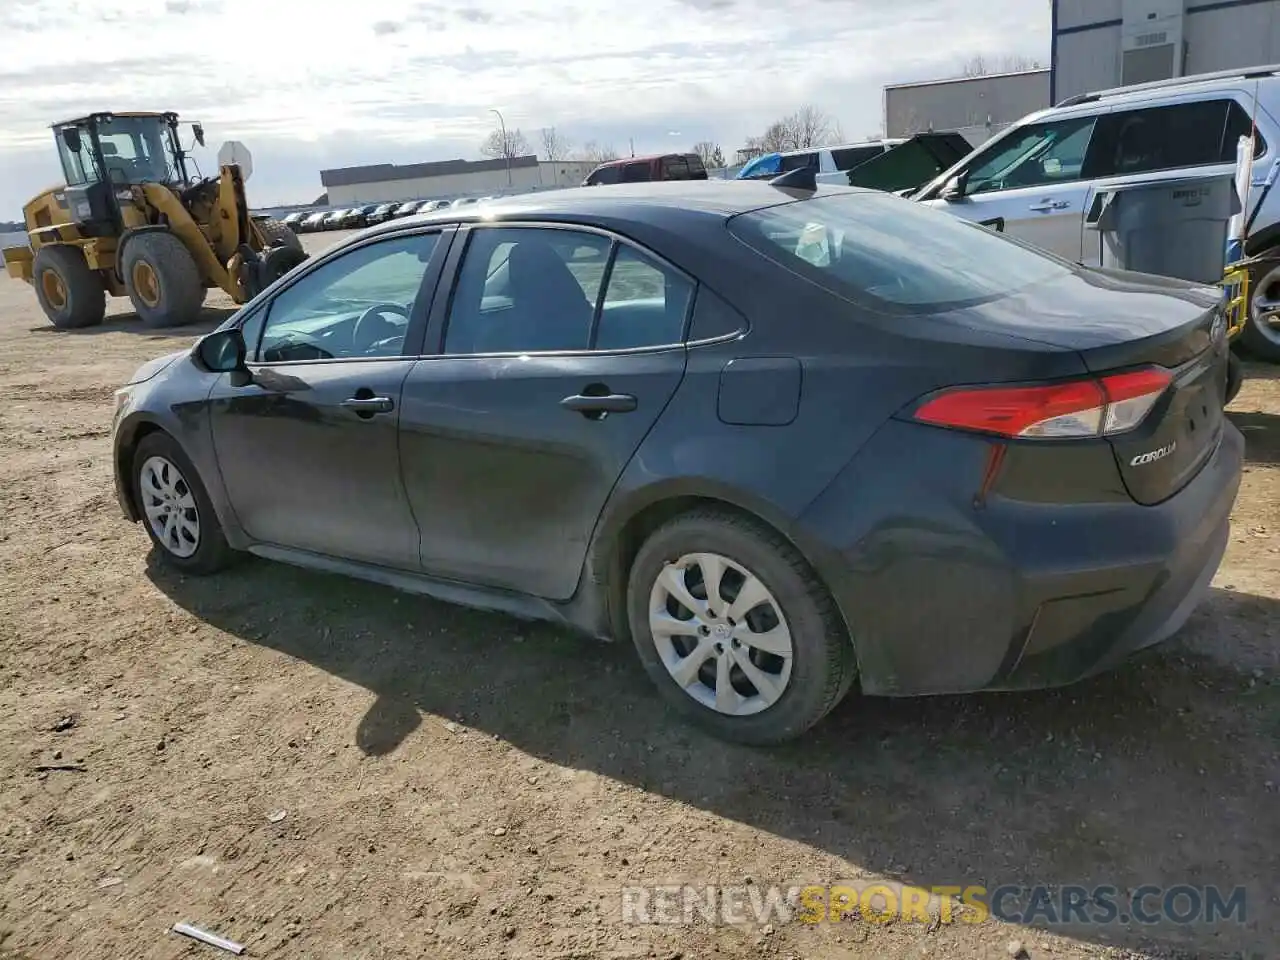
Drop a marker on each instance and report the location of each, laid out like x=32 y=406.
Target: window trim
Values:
x=438 y=325
x=418 y=320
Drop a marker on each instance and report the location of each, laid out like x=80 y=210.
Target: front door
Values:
x=1031 y=183
x=559 y=352
x=308 y=448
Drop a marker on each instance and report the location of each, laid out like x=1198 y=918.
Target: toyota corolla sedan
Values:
x=785 y=441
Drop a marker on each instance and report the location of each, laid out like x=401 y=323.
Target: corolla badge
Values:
x=1151 y=456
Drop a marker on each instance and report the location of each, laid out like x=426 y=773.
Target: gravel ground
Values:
x=320 y=768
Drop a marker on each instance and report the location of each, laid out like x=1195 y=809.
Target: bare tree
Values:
x=555 y=146
x=980 y=65
x=598 y=153
x=706 y=150
x=507 y=147
x=806 y=128
x=809 y=127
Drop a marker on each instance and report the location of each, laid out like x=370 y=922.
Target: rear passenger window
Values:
x=798 y=161
x=1196 y=134
x=526 y=290
x=1238 y=125
x=645 y=304
x=851 y=157
x=636 y=173
x=675 y=168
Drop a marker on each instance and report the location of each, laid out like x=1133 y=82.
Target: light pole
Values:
x=506 y=147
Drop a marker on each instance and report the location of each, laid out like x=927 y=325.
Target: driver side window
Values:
x=1040 y=154
x=356 y=306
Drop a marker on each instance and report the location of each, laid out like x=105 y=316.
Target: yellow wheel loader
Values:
x=132 y=221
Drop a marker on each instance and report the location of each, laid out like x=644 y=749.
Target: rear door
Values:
x=556 y=354
x=1031 y=181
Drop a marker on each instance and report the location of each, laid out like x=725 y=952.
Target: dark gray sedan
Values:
x=784 y=440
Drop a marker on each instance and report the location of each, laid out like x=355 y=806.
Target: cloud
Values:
x=408 y=81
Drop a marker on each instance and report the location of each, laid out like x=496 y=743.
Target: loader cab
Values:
x=104 y=154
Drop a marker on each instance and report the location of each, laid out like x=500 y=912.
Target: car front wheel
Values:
x=735 y=630
x=175 y=507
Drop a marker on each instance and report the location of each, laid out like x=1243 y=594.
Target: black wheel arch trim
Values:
x=600 y=600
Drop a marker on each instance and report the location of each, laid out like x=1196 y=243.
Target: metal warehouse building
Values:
x=977 y=107
x=1098 y=44
x=447 y=179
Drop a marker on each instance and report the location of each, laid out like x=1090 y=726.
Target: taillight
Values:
x=1094 y=407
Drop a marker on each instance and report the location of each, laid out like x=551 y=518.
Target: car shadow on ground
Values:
x=1151 y=774
x=209 y=319
x=1261 y=435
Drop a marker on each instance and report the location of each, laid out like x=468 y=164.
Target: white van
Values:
x=1040 y=176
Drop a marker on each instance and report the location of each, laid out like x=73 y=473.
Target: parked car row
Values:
x=352 y=218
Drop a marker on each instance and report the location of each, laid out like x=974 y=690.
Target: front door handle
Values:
x=603 y=403
x=368 y=406
x=1046 y=205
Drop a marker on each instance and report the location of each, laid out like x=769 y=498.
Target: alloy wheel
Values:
x=1265 y=305
x=721 y=634
x=170 y=506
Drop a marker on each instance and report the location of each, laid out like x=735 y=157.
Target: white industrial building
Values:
x=1098 y=44
x=976 y=107
x=446 y=179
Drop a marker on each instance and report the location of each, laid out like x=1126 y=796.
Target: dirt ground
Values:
x=320 y=768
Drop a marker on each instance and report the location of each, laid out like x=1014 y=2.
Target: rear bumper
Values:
x=944 y=597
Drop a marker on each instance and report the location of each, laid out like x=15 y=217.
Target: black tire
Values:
x=276 y=233
x=824 y=665
x=1262 y=344
x=278 y=261
x=179 y=291
x=83 y=298
x=1235 y=376
x=211 y=552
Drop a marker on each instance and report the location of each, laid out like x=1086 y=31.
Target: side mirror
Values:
x=198 y=130
x=71 y=137
x=222 y=351
x=954 y=189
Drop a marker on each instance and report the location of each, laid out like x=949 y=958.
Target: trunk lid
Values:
x=1118 y=321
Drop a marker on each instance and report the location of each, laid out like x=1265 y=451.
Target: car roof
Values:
x=647 y=158
x=629 y=201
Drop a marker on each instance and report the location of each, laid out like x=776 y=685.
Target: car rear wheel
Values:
x=733 y=627
x=175 y=507
x=1261 y=333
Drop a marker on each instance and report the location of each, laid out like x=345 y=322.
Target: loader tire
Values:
x=274 y=233
x=162 y=280
x=71 y=295
x=276 y=262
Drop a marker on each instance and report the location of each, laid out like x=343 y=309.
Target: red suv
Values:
x=663 y=166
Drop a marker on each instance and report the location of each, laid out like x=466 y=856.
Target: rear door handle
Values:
x=368 y=406
x=1046 y=205
x=605 y=403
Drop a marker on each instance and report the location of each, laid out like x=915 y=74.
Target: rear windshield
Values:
x=873 y=246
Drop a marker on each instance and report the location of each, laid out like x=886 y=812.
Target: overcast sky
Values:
x=308 y=84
